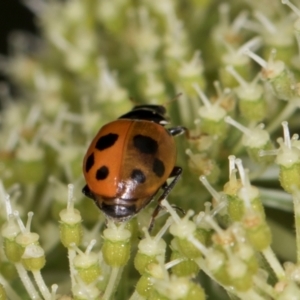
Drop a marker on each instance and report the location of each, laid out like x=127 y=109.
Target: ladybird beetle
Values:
x=130 y=160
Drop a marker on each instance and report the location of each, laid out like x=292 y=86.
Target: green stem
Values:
x=274 y=263
x=264 y=286
x=8 y=289
x=41 y=285
x=71 y=256
x=32 y=292
x=113 y=282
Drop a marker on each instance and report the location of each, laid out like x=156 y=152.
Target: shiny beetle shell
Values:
x=129 y=160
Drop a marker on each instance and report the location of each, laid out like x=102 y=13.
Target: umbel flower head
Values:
x=225 y=231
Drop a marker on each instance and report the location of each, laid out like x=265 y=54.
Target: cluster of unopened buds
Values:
x=42 y=147
x=200 y=242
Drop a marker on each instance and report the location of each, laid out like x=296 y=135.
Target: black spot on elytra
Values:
x=158 y=167
x=89 y=162
x=102 y=173
x=145 y=144
x=138 y=176
x=106 y=141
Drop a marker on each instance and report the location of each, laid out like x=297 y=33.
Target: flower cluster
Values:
x=232 y=70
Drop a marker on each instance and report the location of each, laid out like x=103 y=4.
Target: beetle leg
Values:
x=181 y=210
x=176 y=172
x=177 y=130
x=87 y=192
x=156 y=211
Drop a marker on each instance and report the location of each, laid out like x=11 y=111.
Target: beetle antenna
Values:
x=175 y=98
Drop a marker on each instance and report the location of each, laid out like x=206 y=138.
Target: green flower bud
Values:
x=181 y=231
x=240 y=277
x=151 y=250
x=33 y=258
x=235 y=208
x=255 y=140
x=195 y=292
x=187 y=248
x=289 y=177
x=275 y=72
x=212 y=120
x=87 y=266
x=141 y=262
x=12 y=250
x=70 y=234
x=186 y=268
x=116 y=247
x=25 y=239
x=178 y=288
x=257 y=231
x=281 y=82
x=70 y=227
x=156 y=271
x=216 y=264
x=288 y=158
x=10 y=231
x=144 y=286
x=246 y=253
x=236 y=205
x=251 y=103
x=204 y=235
x=257 y=206
x=253 y=110
x=116 y=254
